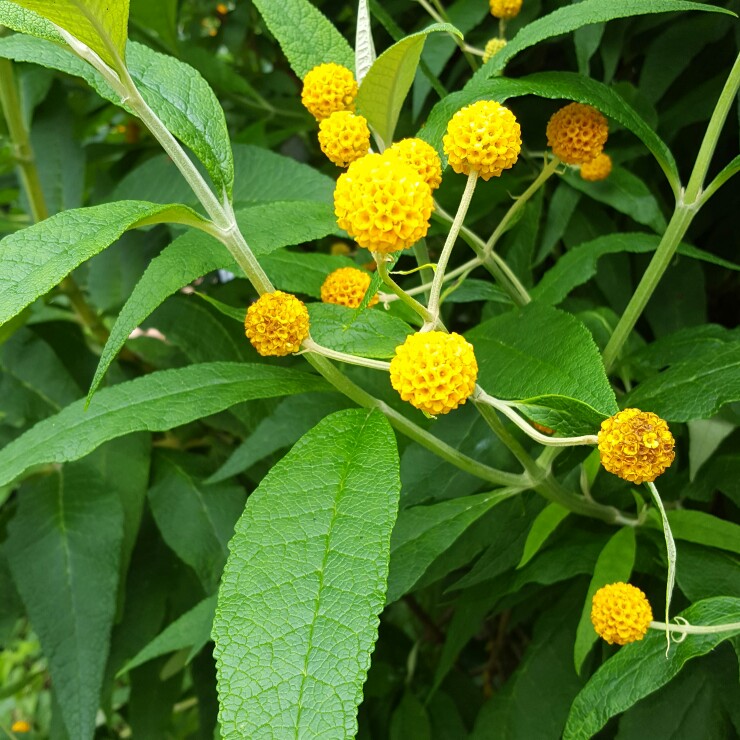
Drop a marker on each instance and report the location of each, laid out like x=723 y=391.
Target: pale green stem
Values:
x=695 y=629
x=543 y=482
x=444 y=258
x=506 y=409
x=714 y=128
x=451 y=275
x=401 y=294
x=441 y=16
x=689 y=203
x=547 y=171
x=670 y=547
x=663 y=256
x=495 y=265
x=310 y=346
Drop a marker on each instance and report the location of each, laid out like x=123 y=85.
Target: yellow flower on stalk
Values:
x=276 y=324
x=598 y=168
x=383 y=203
x=505 y=9
x=344 y=137
x=493 y=46
x=483 y=137
x=422 y=157
x=636 y=445
x=347 y=287
x=577 y=133
x=328 y=88
x=20 y=726
x=434 y=371
x=621 y=613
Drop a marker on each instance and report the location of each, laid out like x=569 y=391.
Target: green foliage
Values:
x=323 y=566
x=214 y=543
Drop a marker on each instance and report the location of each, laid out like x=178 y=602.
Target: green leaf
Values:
x=543 y=526
x=191 y=630
x=703 y=529
x=196 y=520
x=306 y=36
x=410 y=720
x=373 y=333
x=175 y=91
x=302 y=272
x=291 y=419
x=641 y=668
x=36 y=259
x=154 y=402
x=568 y=417
x=673 y=393
x=26 y=21
x=157 y=17
x=559 y=86
x=298 y=608
x=96 y=23
x=422 y=533
x=614 y=565
x=389 y=80
x=538 y=352
x=727 y=172
x=64 y=550
x=569 y=18
x=188 y=107
x=578 y=265
x=624 y=192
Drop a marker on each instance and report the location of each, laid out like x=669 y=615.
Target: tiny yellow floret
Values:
x=493 y=46
x=434 y=371
x=328 y=88
x=276 y=324
x=20 y=726
x=383 y=203
x=621 y=613
x=599 y=168
x=344 y=137
x=347 y=287
x=483 y=137
x=505 y=9
x=636 y=445
x=577 y=133
x=422 y=157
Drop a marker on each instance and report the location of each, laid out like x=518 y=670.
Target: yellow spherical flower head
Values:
x=434 y=371
x=276 y=324
x=328 y=88
x=483 y=137
x=344 y=137
x=383 y=203
x=597 y=169
x=493 y=46
x=577 y=133
x=347 y=287
x=621 y=613
x=505 y=8
x=422 y=157
x=636 y=445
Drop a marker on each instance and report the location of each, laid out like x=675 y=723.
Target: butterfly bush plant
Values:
x=430 y=440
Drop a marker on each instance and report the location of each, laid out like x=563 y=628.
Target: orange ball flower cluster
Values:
x=434 y=371
x=577 y=133
x=328 y=88
x=483 y=137
x=422 y=157
x=505 y=8
x=276 y=324
x=344 y=137
x=346 y=287
x=599 y=168
x=621 y=613
x=383 y=203
x=493 y=46
x=636 y=445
